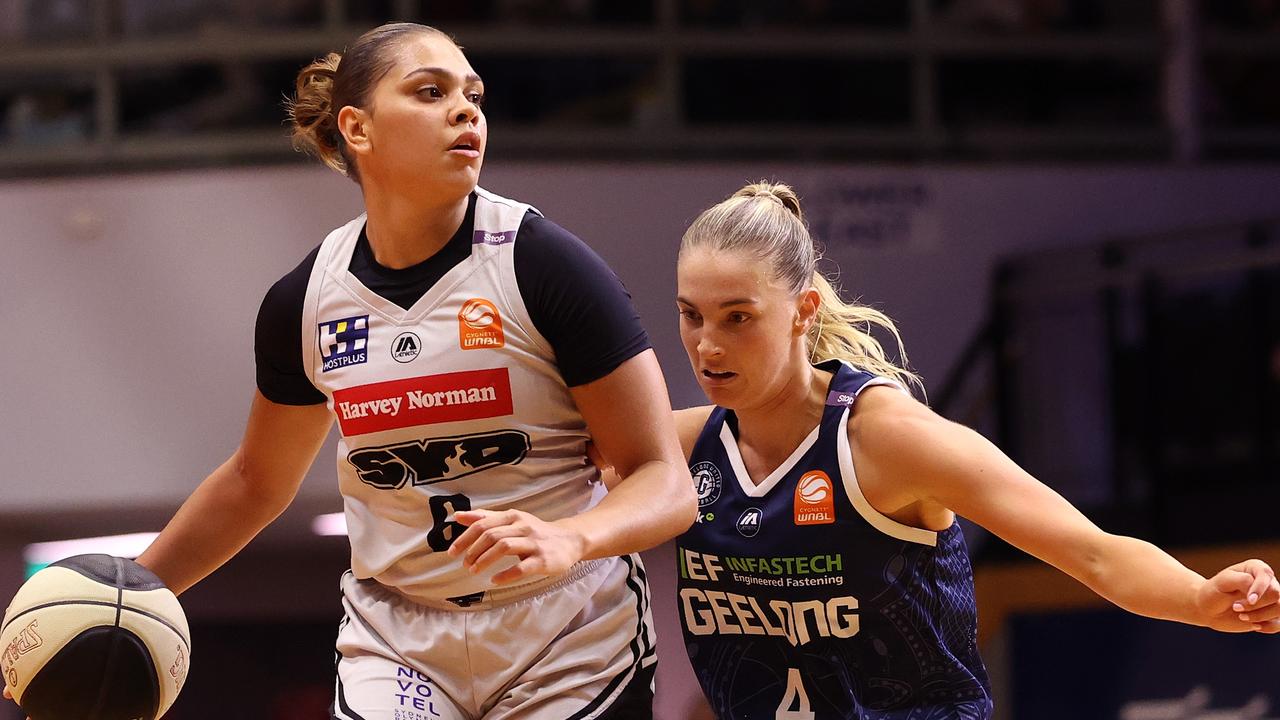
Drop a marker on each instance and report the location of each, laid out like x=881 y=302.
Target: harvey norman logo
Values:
x=427 y=400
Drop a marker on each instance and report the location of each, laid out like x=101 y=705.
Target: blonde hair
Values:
x=764 y=220
x=335 y=81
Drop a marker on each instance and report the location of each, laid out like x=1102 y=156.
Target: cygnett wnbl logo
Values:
x=479 y=325
x=815 y=499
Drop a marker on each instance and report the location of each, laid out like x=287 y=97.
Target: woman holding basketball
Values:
x=464 y=345
x=809 y=591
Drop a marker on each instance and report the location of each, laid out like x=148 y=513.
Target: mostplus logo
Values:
x=479 y=325
x=344 y=342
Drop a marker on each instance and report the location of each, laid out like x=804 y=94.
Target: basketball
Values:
x=814 y=488
x=477 y=314
x=94 y=636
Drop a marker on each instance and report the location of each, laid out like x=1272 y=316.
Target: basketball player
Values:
x=465 y=345
x=809 y=591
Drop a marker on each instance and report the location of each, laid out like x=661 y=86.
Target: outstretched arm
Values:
x=949 y=464
x=630 y=420
x=243 y=495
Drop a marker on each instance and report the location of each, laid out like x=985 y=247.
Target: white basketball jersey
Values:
x=455 y=403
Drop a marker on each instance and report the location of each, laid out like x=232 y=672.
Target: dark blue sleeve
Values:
x=576 y=301
x=277 y=346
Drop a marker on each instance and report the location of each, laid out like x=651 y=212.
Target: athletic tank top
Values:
x=800 y=601
x=455 y=403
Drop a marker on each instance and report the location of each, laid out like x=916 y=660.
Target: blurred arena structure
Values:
x=1139 y=375
x=99 y=84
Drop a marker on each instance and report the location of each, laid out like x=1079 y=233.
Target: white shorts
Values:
x=581 y=648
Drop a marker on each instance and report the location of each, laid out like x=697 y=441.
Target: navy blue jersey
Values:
x=799 y=601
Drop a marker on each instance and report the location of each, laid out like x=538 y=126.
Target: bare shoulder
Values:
x=920 y=450
x=888 y=423
x=689 y=424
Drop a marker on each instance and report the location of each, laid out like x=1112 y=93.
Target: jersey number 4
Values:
x=795 y=696
x=443 y=530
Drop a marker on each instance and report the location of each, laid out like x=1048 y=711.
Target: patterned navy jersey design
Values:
x=799 y=601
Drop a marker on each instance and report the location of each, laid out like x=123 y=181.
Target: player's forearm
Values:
x=1143 y=579
x=648 y=507
x=223 y=514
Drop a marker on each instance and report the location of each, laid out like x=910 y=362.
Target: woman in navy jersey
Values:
x=464 y=344
x=807 y=591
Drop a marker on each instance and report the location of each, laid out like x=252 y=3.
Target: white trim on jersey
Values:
x=740 y=469
x=879 y=521
x=499 y=200
x=849 y=477
x=311 y=303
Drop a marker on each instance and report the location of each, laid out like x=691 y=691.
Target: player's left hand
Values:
x=8 y=695
x=543 y=548
x=1242 y=598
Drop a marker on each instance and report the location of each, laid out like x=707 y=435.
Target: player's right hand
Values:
x=543 y=548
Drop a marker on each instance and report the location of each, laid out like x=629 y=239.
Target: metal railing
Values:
x=1171 y=53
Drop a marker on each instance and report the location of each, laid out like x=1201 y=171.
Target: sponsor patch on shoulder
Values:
x=488 y=237
x=836 y=397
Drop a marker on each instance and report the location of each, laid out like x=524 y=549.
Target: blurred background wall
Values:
x=1070 y=208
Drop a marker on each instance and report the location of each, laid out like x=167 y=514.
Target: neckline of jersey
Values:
x=730 y=443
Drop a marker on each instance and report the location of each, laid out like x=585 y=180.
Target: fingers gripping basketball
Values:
x=94 y=636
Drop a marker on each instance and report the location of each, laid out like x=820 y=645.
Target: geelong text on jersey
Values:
x=708 y=612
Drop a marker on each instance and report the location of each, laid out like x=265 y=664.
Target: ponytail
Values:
x=842 y=331
x=313 y=115
x=335 y=81
x=764 y=220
